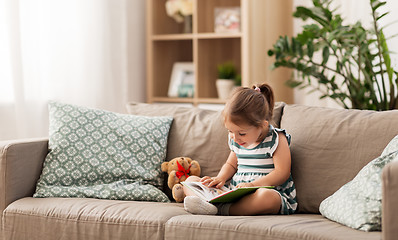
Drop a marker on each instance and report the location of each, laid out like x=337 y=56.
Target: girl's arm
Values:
x=282 y=163
x=227 y=171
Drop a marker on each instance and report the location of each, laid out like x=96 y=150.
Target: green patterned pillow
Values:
x=357 y=204
x=100 y=154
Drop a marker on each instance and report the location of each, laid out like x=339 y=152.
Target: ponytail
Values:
x=267 y=92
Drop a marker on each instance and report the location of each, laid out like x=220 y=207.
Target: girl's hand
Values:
x=242 y=185
x=212 y=181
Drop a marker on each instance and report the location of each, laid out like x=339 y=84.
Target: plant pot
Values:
x=224 y=87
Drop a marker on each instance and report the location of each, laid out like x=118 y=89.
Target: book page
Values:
x=203 y=191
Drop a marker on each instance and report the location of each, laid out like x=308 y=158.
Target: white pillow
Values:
x=357 y=204
x=99 y=154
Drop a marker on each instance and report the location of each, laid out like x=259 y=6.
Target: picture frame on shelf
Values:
x=182 y=80
x=227 y=20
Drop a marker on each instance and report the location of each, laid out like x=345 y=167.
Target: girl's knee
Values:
x=193 y=179
x=270 y=199
x=263 y=201
x=263 y=192
x=267 y=193
x=187 y=191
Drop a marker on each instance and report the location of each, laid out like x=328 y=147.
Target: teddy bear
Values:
x=179 y=169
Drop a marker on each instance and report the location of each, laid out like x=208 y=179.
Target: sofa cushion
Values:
x=330 y=146
x=196 y=133
x=88 y=219
x=297 y=226
x=357 y=204
x=99 y=154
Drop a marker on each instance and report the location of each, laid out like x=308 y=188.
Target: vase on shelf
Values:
x=224 y=88
x=188 y=24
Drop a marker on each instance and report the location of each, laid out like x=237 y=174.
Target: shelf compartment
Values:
x=214 y=52
x=167 y=53
x=206 y=12
x=161 y=23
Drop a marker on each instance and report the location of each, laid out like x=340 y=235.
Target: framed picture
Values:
x=182 y=81
x=227 y=20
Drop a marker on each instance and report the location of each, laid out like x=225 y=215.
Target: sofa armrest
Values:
x=390 y=201
x=21 y=162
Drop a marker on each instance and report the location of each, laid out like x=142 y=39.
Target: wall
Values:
x=136 y=57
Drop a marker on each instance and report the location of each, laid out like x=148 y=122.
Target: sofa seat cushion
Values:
x=298 y=226
x=76 y=218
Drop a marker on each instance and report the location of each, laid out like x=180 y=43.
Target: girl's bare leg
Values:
x=262 y=201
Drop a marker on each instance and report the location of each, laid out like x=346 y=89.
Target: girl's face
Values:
x=245 y=135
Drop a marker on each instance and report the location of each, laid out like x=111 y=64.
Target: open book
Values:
x=219 y=195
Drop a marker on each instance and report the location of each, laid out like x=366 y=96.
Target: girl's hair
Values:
x=250 y=105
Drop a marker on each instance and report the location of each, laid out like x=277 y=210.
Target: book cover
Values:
x=219 y=195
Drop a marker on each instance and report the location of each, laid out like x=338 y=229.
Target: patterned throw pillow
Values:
x=357 y=204
x=100 y=154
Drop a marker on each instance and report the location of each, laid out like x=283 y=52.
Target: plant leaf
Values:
x=310 y=49
x=325 y=54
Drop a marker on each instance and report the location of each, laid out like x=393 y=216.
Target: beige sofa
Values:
x=329 y=147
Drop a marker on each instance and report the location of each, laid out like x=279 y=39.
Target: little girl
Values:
x=260 y=156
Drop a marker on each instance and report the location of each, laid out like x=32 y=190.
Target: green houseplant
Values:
x=227 y=79
x=354 y=66
x=226 y=70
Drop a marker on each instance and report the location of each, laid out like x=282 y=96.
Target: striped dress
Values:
x=257 y=162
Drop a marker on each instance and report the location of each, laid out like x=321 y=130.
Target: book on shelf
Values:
x=220 y=195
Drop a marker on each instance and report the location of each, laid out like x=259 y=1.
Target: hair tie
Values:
x=257 y=89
